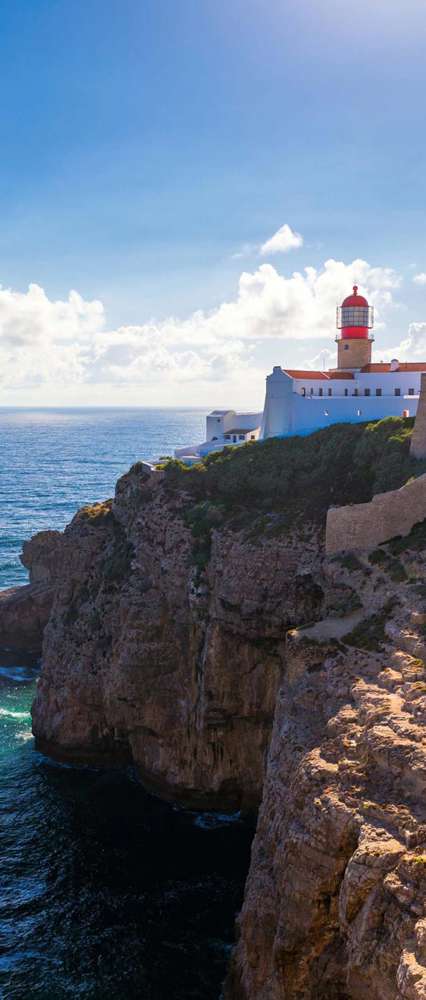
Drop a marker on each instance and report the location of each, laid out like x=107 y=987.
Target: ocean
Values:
x=105 y=892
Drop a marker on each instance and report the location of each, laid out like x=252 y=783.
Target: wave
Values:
x=9 y=714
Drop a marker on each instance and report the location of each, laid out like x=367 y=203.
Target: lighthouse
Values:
x=355 y=319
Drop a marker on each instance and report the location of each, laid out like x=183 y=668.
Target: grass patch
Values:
x=201 y=519
x=370 y=633
x=97 y=514
x=117 y=565
x=342 y=464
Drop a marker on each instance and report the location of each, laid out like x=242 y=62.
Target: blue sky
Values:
x=150 y=147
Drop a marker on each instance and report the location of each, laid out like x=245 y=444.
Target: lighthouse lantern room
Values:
x=355 y=318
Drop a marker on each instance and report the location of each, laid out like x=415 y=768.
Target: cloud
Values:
x=323 y=360
x=420 y=279
x=412 y=347
x=282 y=241
x=227 y=350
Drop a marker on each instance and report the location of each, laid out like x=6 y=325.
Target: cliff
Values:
x=196 y=614
x=335 y=903
x=24 y=611
x=148 y=659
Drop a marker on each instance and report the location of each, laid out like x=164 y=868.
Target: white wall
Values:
x=312 y=413
x=277 y=413
x=215 y=423
x=387 y=382
x=247 y=421
x=390 y=381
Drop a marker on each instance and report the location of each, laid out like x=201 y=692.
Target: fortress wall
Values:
x=366 y=525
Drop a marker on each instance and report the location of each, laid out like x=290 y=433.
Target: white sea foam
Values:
x=8 y=714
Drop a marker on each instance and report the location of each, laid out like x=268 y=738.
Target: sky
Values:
x=189 y=187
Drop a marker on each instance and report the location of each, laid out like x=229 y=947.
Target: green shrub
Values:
x=394 y=567
x=397 y=571
x=202 y=518
x=415 y=540
x=378 y=557
x=370 y=633
x=351 y=562
x=303 y=476
x=117 y=564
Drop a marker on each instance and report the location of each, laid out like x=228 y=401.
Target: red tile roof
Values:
x=403 y=366
x=309 y=375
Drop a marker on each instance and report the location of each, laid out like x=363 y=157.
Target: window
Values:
x=378 y=392
x=367 y=392
x=241 y=437
x=320 y=392
x=227 y=437
x=329 y=392
x=346 y=392
x=355 y=392
x=345 y=347
x=303 y=391
x=252 y=437
x=359 y=413
x=411 y=392
x=355 y=316
x=218 y=419
x=311 y=391
x=397 y=391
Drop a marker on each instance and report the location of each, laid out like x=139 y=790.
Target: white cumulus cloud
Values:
x=420 y=279
x=282 y=241
x=412 y=347
x=205 y=356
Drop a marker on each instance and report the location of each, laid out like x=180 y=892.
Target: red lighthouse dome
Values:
x=355 y=317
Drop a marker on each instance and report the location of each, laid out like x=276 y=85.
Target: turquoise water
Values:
x=105 y=893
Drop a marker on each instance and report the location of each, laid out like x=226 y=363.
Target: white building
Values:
x=223 y=427
x=300 y=402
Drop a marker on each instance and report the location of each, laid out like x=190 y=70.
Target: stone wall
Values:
x=366 y=525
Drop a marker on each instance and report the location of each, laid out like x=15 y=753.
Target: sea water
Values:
x=105 y=892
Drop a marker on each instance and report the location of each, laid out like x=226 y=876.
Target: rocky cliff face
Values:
x=335 y=904
x=185 y=666
x=149 y=660
x=24 y=611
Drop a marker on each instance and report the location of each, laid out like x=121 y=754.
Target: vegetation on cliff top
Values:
x=303 y=476
x=96 y=514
